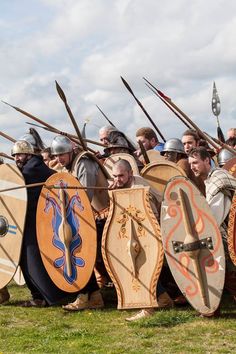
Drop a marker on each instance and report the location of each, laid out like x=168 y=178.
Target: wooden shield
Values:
x=160 y=172
x=13 y=206
x=193 y=245
x=19 y=277
x=155 y=156
x=231 y=240
x=66 y=232
x=230 y=166
x=109 y=162
x=132 y=248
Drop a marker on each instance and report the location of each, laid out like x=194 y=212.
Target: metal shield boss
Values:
x=66 y=232
x=193 y=245
x=13 y=204
x=132 y=248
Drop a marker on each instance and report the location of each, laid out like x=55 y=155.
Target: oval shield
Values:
x=13 y=204
x=231 y=240
x=66 y=232
x=193 y=245
x=132 y=248
x=158 y=173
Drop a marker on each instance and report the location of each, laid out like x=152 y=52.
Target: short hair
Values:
x=201 y=152
x=108 y=129
x=192 y=133
x=147 y=132
x=232 y=130
x=231 y=141
x=123 y=163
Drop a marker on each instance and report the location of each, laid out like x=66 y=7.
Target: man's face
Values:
x=103 y=137
x=122 y=177
x=64 y=159
x=21 y=159
x=189 y=142
x=170 y=156
x=199 y=167
x=148 y=144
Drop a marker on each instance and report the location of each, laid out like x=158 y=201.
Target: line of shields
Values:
x=133 y=242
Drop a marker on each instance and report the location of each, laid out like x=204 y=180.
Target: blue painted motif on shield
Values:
x=74 y=223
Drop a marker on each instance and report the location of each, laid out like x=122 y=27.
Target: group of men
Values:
x=36 y=165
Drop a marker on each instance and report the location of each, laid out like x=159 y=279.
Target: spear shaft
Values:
x=104 y=115
x=143 y=109
x=7 y=137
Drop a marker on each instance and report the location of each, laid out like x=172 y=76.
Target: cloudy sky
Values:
x=181 y=46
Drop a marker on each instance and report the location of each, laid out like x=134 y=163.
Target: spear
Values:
x=215 y=105
x=144 y=152
x=71 y=136
x=6 y=156
x=104 y=115
x=7 y=137
x=177 y=109
x=143 y=109
x=166 y=103
x=63 y=97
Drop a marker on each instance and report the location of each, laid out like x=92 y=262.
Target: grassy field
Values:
x=52 y=330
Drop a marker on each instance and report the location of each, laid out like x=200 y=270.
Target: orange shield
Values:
x=66 y=232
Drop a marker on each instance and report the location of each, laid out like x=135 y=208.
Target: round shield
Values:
x=231 y=240
x=155 y=156
x=66 y=232
x=193 y=245
x=109 y=162
x=13 y=204
x=19 y=277
x=160 y=172
x=230 y=166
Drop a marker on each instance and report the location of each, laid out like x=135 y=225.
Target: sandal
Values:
x=34 y=303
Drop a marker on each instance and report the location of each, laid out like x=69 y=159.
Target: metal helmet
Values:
x=61 y=145
x=29 y=137
x=174 y=145
x=22 y=147
x=224 y=156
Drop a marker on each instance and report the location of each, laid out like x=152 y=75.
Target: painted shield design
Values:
x=109 y=162
x=160 y=172
x=13 y=204
x=230 y=166
x=66 y=232
x=132 y=248
x=232 y=231
x=193 y=245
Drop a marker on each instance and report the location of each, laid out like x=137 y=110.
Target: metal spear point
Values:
x=215 y=104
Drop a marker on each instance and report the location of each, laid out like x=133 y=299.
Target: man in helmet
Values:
x=224 y=156
x=220 y=187
x=34 y=170
x=174 y=151
x=86 y=170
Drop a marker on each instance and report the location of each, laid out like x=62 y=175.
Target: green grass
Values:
x=52 y=330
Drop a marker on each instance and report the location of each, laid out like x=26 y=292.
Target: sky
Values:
x=181 y=46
